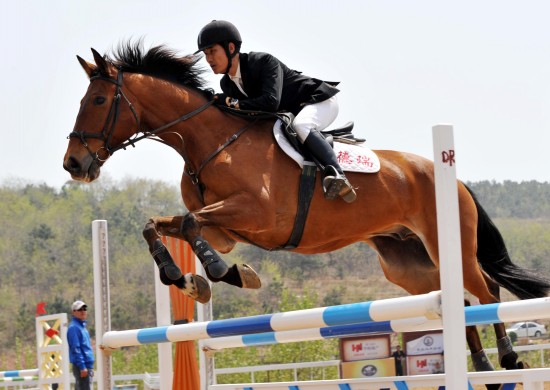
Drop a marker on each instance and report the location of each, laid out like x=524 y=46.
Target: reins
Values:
x=195 y=175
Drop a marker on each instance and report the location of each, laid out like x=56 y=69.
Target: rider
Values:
x=260 y=82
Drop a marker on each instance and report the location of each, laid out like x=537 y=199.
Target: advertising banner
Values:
x=427 y=344
x=425 y=364
x=363 y=348
x=368 y=368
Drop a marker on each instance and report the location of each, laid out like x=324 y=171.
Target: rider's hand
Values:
x=232 y=102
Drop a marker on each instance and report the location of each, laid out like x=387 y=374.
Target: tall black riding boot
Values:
x=335 y=182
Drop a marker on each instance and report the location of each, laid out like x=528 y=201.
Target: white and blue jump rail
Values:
x=405 y=314
x=31 y=372
x=16 y=378
x=475 y=315
x=426 y=305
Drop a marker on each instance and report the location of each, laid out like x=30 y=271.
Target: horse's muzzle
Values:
x=86 y=170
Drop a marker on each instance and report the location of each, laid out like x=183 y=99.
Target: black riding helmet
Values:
x=221 y=32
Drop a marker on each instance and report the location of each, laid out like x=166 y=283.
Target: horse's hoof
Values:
x=249 y=277
x=196 y=287
x=510 y=361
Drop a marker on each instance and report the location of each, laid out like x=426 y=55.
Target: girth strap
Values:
x=305 y=194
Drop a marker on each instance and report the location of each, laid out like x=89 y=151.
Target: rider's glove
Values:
x=233 y=103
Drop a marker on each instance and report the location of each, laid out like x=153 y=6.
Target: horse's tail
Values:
x=494 y=259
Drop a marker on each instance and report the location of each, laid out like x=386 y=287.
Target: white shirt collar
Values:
x=238 y=73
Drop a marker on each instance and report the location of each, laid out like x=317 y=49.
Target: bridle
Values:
x=106 y=134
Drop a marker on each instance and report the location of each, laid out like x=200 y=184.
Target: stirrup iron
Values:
x=336 y=184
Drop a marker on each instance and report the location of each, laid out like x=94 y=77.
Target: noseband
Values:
x=106 y=134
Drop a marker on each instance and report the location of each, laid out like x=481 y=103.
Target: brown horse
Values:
x=240 y=187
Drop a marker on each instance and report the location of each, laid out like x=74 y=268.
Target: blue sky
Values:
x=404 y=66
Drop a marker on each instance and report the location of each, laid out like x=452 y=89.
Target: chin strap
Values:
x=229 y=56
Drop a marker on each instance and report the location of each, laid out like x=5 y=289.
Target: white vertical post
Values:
x=102 y=301
x=162 y=295
x=66 y=369
x=450 y=258
x=206 y=361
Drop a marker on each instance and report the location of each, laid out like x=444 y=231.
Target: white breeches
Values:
x=316 y=116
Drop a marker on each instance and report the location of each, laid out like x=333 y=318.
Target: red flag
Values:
x=40 y=309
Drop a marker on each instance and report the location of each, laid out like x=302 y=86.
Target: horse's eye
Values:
x=99 y=100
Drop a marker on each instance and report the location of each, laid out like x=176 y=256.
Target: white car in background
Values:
x=527 y=329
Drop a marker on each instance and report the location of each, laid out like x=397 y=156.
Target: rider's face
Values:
x=216 y=58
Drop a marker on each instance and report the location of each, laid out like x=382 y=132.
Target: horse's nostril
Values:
x=71 y=165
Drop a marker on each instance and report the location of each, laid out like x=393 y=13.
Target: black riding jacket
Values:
x=271 y=86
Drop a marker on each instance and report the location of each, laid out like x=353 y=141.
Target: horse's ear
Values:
x=101 y=63
x=88 y=68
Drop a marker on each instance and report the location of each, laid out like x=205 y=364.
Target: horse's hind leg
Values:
x=488 y=291
x=506 y=355
x=418 y=275
x=407 y=263
x=475 y=280
x=479 y=358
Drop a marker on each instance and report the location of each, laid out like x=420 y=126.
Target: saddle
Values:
x=341 y=134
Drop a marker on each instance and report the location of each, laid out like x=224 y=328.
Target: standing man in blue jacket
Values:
x=81 y=354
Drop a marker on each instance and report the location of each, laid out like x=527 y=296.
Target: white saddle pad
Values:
x=352 y=158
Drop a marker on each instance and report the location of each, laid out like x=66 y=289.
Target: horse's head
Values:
x=106 y=120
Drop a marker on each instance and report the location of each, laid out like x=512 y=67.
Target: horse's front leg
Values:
x=240 y=275
x=194 y=286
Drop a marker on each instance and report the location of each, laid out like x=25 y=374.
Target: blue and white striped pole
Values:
x=427 y=305
x=19 y=379
x=19 y=373
x=335 y=321
x=475 y=315
x=290 y=336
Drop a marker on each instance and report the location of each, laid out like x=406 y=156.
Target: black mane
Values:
x=160 y=62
